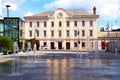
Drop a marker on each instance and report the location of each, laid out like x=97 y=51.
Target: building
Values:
x=13 y=27
x=1 y=27
x=109 y=40
x=61 y=29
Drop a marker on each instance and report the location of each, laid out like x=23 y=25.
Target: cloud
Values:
x=115 y=27
x=29 y=13
x=107 y=9
x=14 y=4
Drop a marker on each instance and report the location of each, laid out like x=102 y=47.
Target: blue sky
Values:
x=109 y=10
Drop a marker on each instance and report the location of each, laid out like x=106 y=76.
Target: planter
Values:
x=10 y=52
x=4 y=52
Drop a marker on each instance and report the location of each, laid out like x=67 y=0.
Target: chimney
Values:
x=94 y=10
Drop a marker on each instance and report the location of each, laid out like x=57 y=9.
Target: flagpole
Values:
x=108 y=29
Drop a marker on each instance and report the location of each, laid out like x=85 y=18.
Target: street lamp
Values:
x=116 y=45
x=7 y=6
x=78 y=42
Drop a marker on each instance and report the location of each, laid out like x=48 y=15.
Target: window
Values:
x=45 y=24
x=30 y=33
x=91 y=33
x=44 y=33
x=37 y=32
x=83 y=23
x=45 y=43
x=75 y=44
x=52 y=24
x=38 y=24
x=30 y=24
x=91 y=23
x=83 y=44
x=75 y=23
x=67 y=32
x=20 y=32
x=60 y=23
x=75 y=33
x=68 y=23
x=52 y=33
x=83 y=33
x=60 y=33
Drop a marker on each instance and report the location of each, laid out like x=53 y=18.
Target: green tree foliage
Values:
x=26 y=46
x=102 y=29
x=32 y=43
x=6 y=43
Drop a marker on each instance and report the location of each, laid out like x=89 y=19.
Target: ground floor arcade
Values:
x=67 y=44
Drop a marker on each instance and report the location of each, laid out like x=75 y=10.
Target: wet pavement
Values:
x=61 y=67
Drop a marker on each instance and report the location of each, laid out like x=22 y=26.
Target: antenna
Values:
x=116 y=22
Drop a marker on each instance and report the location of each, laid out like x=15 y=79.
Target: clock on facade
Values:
x=59 y=15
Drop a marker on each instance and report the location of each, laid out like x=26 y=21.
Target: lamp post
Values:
x=78 y=42
x=107 y=29
x=7 y=6
x=116 y=47
x=35 y=44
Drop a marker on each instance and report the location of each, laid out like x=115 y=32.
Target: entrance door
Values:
x=103 y=45
x=67 y=45
x=52 y=45
x=59 y=45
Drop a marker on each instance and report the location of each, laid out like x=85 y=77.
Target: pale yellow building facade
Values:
x=62 y=29
x=109 y=41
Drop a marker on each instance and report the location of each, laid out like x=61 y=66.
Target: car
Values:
x=44 y=47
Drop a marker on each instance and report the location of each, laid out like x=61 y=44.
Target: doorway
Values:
x=103 y=45
x=59 y=45
x=52 y=45
x=67 y=45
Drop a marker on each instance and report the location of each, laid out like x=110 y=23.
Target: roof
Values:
x=71 y=13
x=14 y=18
x=111 y=34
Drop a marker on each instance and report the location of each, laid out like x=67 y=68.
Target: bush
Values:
x=6 y=43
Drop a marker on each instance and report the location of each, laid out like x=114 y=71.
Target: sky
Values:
x=108 y=10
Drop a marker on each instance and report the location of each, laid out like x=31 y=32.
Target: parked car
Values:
x=44 y=47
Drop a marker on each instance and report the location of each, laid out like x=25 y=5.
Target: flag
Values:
x=107 y=28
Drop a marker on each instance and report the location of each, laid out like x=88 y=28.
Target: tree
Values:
x=102 y=29
x=6 y=43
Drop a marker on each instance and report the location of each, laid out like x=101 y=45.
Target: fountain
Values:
x=87 y=45
x=96 y=61
x=35 y=56
x=31 y=60
x=96 y=50
x=80 y=55
x=29 y=46
x=15 y=62
x=62 y=68
x=65 y=69
x=28 y=49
